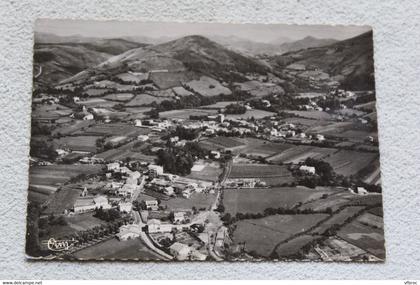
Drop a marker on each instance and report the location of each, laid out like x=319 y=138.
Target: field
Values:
x=257 y=200
x=130 y=77
x=293 y=246
x=145 y=99
x=262 y=148
x=210 y=172
x=271 y=174
x=347 y=162
x=208 y=87
x=186 y=113
x=371 y=220
x=316 y=115
x=124 y=151
x=114 y=129
x=335 y=201
x=370 y=106
x=224 y=142
x=256 y=114
x=120 y=97
x=81 y=222
x=77 y=143
x=365 y=237
x=259 y=89
x=115 y=249
x=95 y=92
x=57 y=174
x=69 y=129
x=301 y=153
x=262 y=235
x=63 y=199
x=198 y=200
x=338 y=219
x=220 y=105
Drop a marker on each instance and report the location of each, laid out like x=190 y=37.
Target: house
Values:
x=157 y=169
x=169 y=191
x=87 y=204
x=127 y=232
x=179 y=217
x=362 y=191
x=187 y=192
x=88 y=116
x=320 y=137
x=135 y=175
x=174 y=139
x=180 y=251
x=137 y=123
x=156 y=226
x=113 y=166
x=152 y=205
x=143 y=138
x=307 y=169
x=215 y=154
x=125 y=207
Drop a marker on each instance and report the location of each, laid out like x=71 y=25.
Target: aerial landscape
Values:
x=204 y=142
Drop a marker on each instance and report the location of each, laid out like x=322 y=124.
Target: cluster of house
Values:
x=132 y=184
x=86 y=203
x=169 y=184
x=243 y=183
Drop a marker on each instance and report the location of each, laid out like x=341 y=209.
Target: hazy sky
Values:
x=255 y=32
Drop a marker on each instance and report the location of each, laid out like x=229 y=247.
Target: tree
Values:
x=235 y=109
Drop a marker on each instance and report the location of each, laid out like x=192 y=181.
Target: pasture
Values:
x=145 y=99
x=316 y=115
x=77 y=143
x=124 y=151
x=300 y=153
x=367 y=238
x=337 y=219
x=272 y=174
x=257 y=200
x=186 y=113
x=114 y=129
x=207 y=87
x=112 y=249
x=292 y=247
x=210 y=172
x=262 y=235
x=119 y=97
x=348 y=162
x=263 y=148
x=254 y=113
x=197 y=200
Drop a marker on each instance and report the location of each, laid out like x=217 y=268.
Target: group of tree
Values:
x=43 y=149
x=235 y=108
x=107 y=215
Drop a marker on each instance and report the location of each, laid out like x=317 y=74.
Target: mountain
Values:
x=350 y=61
x=307 y=42
x=191 y=55
x=62 y=57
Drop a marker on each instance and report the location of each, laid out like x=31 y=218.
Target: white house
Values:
x=130 y=231
x=156 y=168
x=179 y=217
x=215 y=154
x=125 y=207
x=307 y=169
x=113 y=166
x=169 y=191
x=180 y=251
x=143 y=138
x=152 y=205
x=88 y=116
x=362 y=191
x=137 y=123
x=320 y=137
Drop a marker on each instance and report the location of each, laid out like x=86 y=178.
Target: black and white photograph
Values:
x=160 y=141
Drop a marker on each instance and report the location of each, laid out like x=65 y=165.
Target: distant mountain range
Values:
x=78 y=59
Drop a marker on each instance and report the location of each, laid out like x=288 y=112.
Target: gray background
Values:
x=397 y=42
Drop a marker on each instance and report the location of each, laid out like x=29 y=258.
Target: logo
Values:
x=60 y=245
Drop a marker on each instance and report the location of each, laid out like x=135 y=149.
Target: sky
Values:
x=255 y=32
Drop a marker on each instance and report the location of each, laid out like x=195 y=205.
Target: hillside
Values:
x=350 y=62
x=191 y=55
x=60 y=59
x=307 y=42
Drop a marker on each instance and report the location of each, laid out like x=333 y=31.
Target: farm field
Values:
x=124 y=151
x=97 y=103
x=114 y=129
x=271 y=174
x=59 y=173
x=64 y=198
x=75 y=126
x=370 y=106
x=210 y=172
x=305 y=123
x=256 y=114
x=114 y=249
x=220 y=105
x=371 y=220
x=198 y=200
x=377 y=211
x=223 y=143
x=77 y=143
x=120 y=97
x=300 y=153
x=131 y=77
x=145 y=99
x=338 y=219
x=334 y=201
x=81 y=222
x=208 y=87
x=262 y=148
x=316 y=115
x=262 y=235
x=365 y=237
x=257 y=200
x=348 y=162
x=292 y=247
x=186 y=113
x=95 y=92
